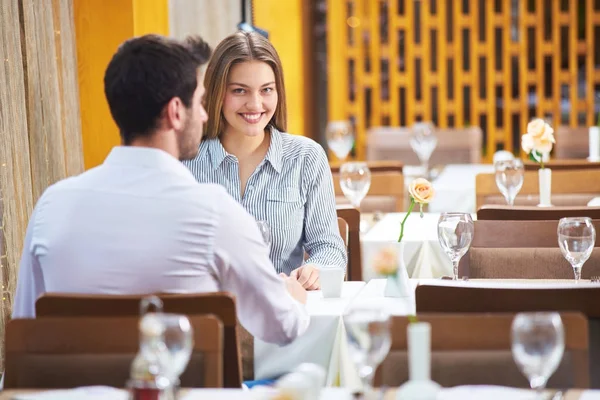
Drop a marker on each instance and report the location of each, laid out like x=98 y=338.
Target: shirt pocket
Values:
x=284 y=207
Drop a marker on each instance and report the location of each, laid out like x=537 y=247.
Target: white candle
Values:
x=594 y=143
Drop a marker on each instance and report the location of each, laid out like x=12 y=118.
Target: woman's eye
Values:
x=268 y=89
x=238 y=91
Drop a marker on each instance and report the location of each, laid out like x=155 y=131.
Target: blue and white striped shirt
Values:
x=291 y=189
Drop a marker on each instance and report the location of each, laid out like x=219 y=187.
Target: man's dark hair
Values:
x=145 y=74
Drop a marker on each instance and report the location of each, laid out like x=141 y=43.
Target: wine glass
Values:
x=576 y=239
x=538 y=344
x=423 y=142
x=355 y=180
x=179 y=340
x=455 y=233
x=509 y=178
x=369 y=340
x=340 y=138
x=265 y=231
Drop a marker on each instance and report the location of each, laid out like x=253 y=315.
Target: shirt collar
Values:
x=146 y=157
x=217 y=152
x=275 y=152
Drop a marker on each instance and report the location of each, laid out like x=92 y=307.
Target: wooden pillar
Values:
x=284 y=22
x=101 y=26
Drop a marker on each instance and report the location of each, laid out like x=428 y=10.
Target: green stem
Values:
x=410 y=208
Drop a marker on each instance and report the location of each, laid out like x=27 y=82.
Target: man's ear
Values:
x=175 y=114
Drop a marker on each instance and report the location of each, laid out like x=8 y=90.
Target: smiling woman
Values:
x=279 y=178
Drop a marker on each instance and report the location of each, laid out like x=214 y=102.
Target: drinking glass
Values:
x=265 y=231
x=369 y=340
x=355 y=180
x=340 y=138
x=423 y=142
x=576 y=239
x=179 y=340
x=455 y=233
x=509 y=178
x=538 y=344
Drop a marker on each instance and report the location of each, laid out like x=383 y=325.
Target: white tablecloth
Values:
x=320 y=344
x=423 y=255
x=373 y=294
x=454 y=187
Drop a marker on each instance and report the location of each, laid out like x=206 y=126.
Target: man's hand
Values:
x=308 y=276
x=294 y=288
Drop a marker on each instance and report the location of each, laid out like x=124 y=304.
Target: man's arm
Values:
x=265 y=306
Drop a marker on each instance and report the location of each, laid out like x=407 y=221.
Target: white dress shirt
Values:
x=291 y=189
x=140 y=223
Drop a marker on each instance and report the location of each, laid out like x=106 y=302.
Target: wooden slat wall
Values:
x=496 y=34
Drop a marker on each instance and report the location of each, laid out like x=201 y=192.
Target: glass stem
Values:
x=455 y=268
x=577 y=272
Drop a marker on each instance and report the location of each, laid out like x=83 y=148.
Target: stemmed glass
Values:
x=576 y=239
x=423 y=142
x=179 y=340
x=369 y=340
x=355 y=181
x=455 y=233
x=340 y=138
x=509 y=178
x=265 y=231
x=538 y=344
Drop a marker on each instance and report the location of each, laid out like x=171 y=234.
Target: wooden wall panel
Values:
x=492 y=63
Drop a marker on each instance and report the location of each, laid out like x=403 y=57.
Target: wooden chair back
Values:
x=569 y=188
x=344 y=230
x=521 y=250
x=532 y=213
x=386 y=193
x=474 y=349
x=562 y=165
x=454 y=146
x=219 y=304
x=64 y=352
x=352 y=217
x=571 y=142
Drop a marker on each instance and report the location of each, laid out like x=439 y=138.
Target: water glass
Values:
x=369 y=339
x=179 y=340
x=340 y=138
x=265 y=231
x=355 y=181
x=509 y=178
x=538 y=344
x=576 y=239
x=455 y=234
x=423 y=142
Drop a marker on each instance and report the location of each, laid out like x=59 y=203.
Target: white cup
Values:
x=332 y=279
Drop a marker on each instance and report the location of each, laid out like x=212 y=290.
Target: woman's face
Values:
x=250 y=98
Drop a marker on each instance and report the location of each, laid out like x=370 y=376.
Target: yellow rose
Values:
x=421 y=190
x=538 y=128
x=527 y=143
x=386 y=261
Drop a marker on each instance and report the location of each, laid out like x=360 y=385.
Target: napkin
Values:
x=80 y=393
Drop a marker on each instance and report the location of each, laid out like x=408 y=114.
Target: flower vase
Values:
x=545 y=182
x=419 y=385
x=398 y=285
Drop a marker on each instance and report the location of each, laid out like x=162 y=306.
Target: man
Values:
x=140 y=223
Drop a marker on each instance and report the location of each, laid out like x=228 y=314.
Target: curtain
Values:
x=40 y=127
x=213 y=20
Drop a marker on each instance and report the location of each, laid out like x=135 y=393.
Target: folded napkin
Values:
x=81 y=393
x=486 y=392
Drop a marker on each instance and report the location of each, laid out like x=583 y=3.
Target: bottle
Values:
x=148 y=380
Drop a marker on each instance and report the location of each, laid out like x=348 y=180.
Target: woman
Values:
x=279 y=178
